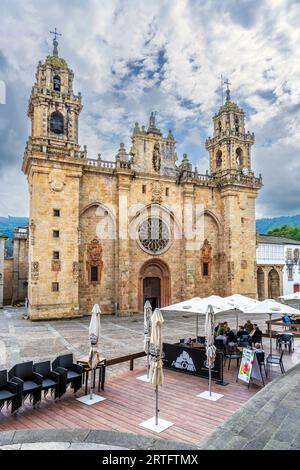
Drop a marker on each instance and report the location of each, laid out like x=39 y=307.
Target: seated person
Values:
x=294 y=318
x=286 y=319
x=242 y=332
x=248 y=326
x=221 y=335
x=231 y=338
x=258 y=348
x=220 y=329
x=256 y=334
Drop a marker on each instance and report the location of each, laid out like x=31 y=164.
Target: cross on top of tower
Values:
x=226 y=82
x=55 y=41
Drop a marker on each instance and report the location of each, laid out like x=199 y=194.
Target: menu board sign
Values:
x=246 y=365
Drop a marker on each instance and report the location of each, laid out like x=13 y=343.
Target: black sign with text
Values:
x=191 y=360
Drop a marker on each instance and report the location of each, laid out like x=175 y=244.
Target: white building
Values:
x=278 y=267
x=2 y=243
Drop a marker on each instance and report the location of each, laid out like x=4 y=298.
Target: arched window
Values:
x=239 y=156
x=219 y=158
x=57 y=123
x=236 y=123
x=56 y=83
x=219 y=127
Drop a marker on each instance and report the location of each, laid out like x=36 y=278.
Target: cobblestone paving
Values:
x=22 y=340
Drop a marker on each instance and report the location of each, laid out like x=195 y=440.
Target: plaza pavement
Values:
x=22 y=340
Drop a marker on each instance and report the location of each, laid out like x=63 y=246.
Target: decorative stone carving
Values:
x=156 y=157
x=55 y=265
x=94 y=258
x=75 y=271
x=56 y=180
x=157 y=191
x=35 y=270
x=206 y=256
x=32 y=227
x=244 y=264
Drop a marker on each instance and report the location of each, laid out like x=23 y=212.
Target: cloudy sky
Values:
x=132 y=56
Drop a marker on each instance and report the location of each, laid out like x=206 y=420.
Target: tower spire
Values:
x=226 y=82
x=55 y=42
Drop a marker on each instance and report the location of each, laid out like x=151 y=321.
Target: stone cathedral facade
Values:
x=141 y=226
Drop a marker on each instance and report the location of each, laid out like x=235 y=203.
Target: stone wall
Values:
x=8 y=281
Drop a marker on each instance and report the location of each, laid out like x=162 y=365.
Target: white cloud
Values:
x=132 y=57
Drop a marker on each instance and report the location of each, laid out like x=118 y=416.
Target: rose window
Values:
x=154 y=235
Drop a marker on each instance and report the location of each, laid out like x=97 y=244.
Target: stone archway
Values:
x=154 y=284
x=261 y=284
x=273 y=284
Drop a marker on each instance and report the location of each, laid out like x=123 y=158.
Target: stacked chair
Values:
x=32 y=380
x=10 y=393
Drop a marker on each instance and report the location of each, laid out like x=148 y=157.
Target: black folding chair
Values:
x=275 y=359
x=10 y=393
x=70 y=373
x=30 y=381
x=50 y=378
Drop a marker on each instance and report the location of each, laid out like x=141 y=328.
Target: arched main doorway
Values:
x=274 y=284
x=154 y=284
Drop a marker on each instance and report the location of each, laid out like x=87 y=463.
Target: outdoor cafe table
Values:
x=84 y=362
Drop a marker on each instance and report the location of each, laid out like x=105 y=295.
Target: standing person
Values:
x=256 y=335
x=248 y=326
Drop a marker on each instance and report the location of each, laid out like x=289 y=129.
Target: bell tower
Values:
x=229 y=148
x=53 y=107
x=53 y=164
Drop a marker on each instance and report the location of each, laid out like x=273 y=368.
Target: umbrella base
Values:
x=144 y=378
x=87 y=400
x=161 y=426
x=213 y=396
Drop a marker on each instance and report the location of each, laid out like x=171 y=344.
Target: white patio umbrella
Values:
x=240 y=303
x=94 y=354
x=147 y=329
x=198 y=306
x=209 y=342
x=271 y=307
x=156 y=370
x=294 y=296
x=156 y=351
x=94 y=336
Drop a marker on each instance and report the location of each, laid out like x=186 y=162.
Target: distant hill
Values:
x=264 y=225
x=7 y=226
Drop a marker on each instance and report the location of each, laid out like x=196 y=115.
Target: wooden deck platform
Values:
x=130 y=402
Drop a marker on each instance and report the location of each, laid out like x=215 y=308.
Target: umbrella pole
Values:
x=156 y=405
x=237 y=320
x=197 y=326
x=92 y=373
x=270 y=328
x=148 y=361
x=209 y=381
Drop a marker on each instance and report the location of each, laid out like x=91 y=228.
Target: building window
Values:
x=144 y=189
x=55 y=233
x=242 y=220
x=289 y=253
x=167 y=191
x=94 y=274
x=56 y=83
x=57 y=123
x=56 y=212
x=55 y=286
x=219 y=158
x=205 y=269
x=290 y=273
x=55 y=255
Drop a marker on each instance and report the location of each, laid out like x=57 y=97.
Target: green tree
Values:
x=286 y=231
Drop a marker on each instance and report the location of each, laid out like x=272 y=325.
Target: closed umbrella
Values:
x=147 y=329
x=156 y=351
x=210 y=352
x=94 y=336
x=94 y=355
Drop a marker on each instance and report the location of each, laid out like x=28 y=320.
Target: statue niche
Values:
x=94 y=262
x=206 y=259
x=156 y=158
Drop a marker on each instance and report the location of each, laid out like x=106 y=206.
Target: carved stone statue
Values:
x=156 y=157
